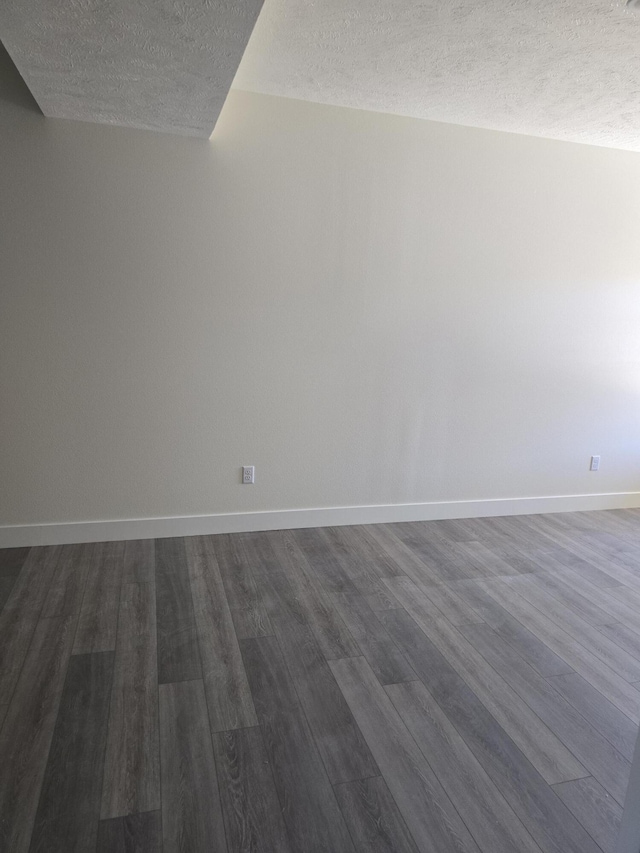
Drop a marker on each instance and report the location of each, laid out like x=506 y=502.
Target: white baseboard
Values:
x=198 y=525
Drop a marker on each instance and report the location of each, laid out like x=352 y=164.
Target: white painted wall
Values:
x=370 y=309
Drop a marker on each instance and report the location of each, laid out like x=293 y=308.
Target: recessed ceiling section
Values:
x=565 y=69
x=151 y=64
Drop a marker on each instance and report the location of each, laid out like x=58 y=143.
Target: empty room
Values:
x=319 y=426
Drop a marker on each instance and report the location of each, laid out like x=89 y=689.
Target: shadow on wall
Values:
x=13 y=89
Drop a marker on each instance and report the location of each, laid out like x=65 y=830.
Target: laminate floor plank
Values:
x=385 y=658
x=528 y=646
x=68 y=584
x=602 y=714
x=427 y=810
x=591 y=748
x=593 y=640
x=12 y=560
x=595 y=575
x=98 y=621
x=605 y=599
x=132 y=761
x=292 y=597
x=247 y=609
x=440 y=559
x=486 y=813
x=337 y=564
x=592 y=669
x=225 y=681
x=625 y=594
x=252 y=814
x=450 y=604
x=69 y=806
x=572 y=598
x=594 y=808
x=373 y=818
x=310 y=810
x=624 y=636
x=545 y=751
x=483 y=561
x=374 y=548
x=191 y=812
x=6 y=585
x=16 y=631
x=449 y=685
x=548 y=821
x=33 y=581
x=403 y=556
x=139 y=561
x=335 y=575
x=28 y=729
x=136 y=833
x=344 y=751
x=178 y=653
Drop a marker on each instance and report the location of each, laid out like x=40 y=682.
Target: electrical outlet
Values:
x=595 y=463
x=248 y=474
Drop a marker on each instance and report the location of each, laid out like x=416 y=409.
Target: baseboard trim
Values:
x=198 y=525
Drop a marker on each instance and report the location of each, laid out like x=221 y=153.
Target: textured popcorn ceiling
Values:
x=159 y=64
x=566 y=69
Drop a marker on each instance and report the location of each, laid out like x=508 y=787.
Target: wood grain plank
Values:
x=225 y=682
x=12 y=560
x=98 y=622
x=344 y=751
x=178 y=654
x=28 y=728
x=593 y=574
x=69 y=807
x=531 y=648
x=572 y=597
x=191 y=812
x=427 y=810
x=594 y=808
x=374 y=550
x=333 y=563
x=6 y=585
x=252 y=814
x=450 y=604
x=16 y=631
x=139 y=561
x=592 y=669
x=373 y=818
x=311 y=814
x=593 y=750
x=593 y=640
x=434 y=558
x=545 y=751
x=136 y=833
x=624 y=636
x=602 y=714
x=132 y=761
x=604 y=599
x=292 y=596
x=486 y=813
x=481 y=561
x=385 y=658
x=387 y=539
x=549 y=822
x=32 y=583
x=247 y=609
x=68 y=584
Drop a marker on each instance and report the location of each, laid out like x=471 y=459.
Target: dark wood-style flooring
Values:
x=441 y=686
